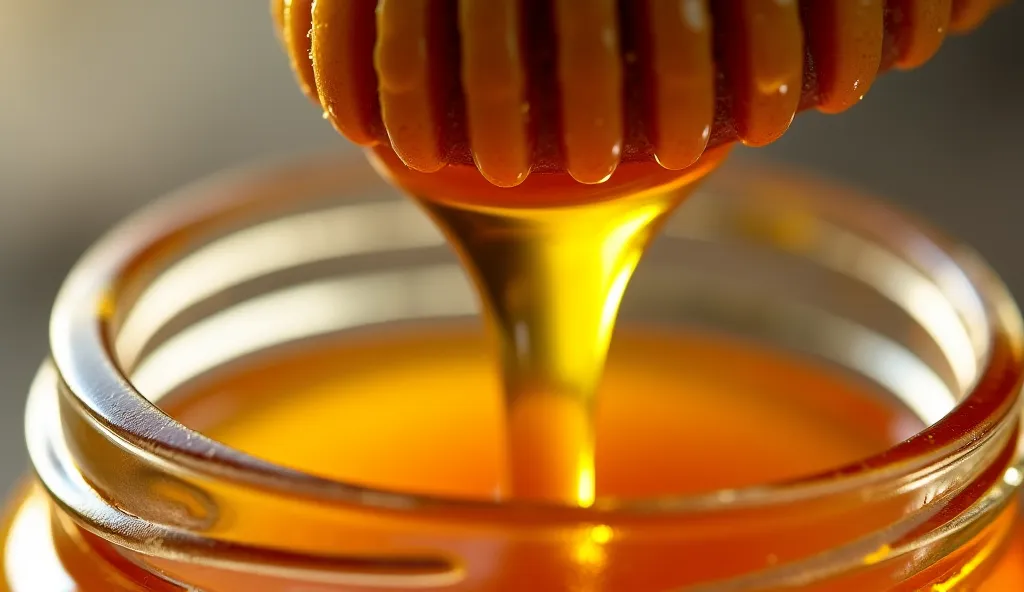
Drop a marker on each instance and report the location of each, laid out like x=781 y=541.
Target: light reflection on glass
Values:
x=892 y=366
x=850 y=255
x=31 y=562
x=913 y=292
x=269 y=247
x=302 y=311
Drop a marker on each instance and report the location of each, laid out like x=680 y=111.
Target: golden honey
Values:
x=420 y=410
x=547 y=452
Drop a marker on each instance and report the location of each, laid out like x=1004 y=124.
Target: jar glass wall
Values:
x=260 y=266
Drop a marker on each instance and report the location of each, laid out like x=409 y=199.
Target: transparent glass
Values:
x=127 y=498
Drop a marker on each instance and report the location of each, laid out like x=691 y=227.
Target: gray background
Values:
x=105 y=104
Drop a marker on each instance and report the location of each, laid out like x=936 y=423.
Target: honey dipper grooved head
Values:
x=521 y=86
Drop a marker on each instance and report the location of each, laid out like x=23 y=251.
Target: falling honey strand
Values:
x=550 y=280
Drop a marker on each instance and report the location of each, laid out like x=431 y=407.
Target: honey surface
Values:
x=678 y=413
x=422 y=412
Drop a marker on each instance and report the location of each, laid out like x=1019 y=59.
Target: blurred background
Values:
x=106 y=104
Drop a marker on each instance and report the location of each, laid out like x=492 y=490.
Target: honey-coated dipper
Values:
x=618 y=105
x=582 y=86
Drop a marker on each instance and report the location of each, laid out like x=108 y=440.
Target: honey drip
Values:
x=550 y=280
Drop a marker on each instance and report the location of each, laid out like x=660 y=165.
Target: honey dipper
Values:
x=521 y=86
x=529 y=90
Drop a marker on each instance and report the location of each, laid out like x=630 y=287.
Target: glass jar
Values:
x=127 y=498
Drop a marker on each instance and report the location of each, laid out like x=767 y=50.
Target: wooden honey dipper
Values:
x=521 y=86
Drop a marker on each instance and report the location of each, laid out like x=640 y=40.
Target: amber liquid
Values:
x=421 y=411
x=552 y=280
x=551 y=260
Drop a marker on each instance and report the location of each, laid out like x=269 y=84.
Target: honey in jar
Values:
x=335 y=411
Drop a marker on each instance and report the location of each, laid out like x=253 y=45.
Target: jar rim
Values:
x=80 y=337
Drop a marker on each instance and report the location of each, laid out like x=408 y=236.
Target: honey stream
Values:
x=550 y=280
